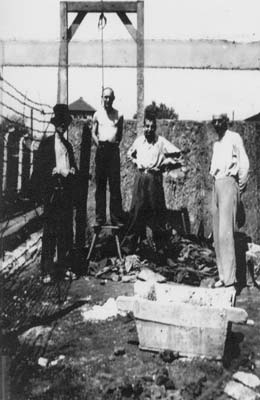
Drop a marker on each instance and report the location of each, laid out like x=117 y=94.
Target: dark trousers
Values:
x=108 y=169
x=57 y=228
x=147 y=209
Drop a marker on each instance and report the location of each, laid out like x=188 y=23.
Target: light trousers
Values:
x=224 y=208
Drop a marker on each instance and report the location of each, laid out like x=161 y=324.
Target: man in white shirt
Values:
x=229 y=168
x=107 y=134
x=151 y=154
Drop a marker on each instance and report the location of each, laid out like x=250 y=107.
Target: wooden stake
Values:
x=62 y=96
x=140 y=66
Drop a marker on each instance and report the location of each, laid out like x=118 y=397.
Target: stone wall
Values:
x=194 y=191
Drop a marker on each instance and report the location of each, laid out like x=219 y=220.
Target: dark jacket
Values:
x=42 y=181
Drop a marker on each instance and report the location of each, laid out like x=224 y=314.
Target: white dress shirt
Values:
x=230 y=159
x=62 y=157
x=152 y=156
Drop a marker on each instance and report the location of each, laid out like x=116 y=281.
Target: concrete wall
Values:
x=194 y=191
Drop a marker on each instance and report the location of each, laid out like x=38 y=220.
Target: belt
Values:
x=107 y=143
x=149 y=171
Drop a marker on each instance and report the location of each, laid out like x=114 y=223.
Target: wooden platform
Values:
x=190 y=320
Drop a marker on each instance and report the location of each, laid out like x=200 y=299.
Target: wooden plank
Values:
x=196 y=54
x=237 y=315
x=19 y=222
x=223 y=297
x=238 y=391
x=75 y=24
x=140 y=67
x=100 y=6
x=173 y=292
x=128 y=24
x=62 y=95
x=234 y=314
x=188 y=329
x=180 y=314
x=188 y=341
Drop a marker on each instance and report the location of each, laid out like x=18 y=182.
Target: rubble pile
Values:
x=125 y=270
x=183 y=260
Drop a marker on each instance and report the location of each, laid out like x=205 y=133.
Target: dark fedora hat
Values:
x=61 y=114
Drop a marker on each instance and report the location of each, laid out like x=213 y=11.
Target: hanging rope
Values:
x=102 y=21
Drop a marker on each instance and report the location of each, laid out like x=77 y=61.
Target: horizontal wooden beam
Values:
x=102 y=6
x=190 y=54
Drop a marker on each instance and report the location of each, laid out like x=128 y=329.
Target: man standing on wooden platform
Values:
x=107 y=134
x=151 y=154
x=229 y=168
x=52 y=184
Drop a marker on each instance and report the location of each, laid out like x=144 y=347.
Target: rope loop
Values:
x=102 y=21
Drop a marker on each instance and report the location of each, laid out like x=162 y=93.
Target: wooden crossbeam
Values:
x=75 y=24
x=128 y=24
x=100 y=6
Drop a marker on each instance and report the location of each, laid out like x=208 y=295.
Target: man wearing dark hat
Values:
x=229 y=168
x=51 y=184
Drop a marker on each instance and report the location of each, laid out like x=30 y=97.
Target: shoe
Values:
x=218 y=284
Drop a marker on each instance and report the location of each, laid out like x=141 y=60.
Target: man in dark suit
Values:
x=52 y=184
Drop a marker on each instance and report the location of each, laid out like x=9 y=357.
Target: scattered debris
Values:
x=100 y=313
x=238 y=391
x=119 y=351
x=42 y=361
x=57 y=360
x=169 y=356
x=132 y=262
x=247 y=379
x=148 y=275
x=37 y=335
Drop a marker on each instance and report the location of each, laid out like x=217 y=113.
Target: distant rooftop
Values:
x=81 y=105
x=253 y=118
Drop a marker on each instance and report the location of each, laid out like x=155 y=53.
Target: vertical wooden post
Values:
x=140 y=66
x=5 y=160
x=31 y=127
x=2 y=134
x=62 y=96
x=1 y=77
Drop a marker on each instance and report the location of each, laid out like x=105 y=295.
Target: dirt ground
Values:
x=80 y=359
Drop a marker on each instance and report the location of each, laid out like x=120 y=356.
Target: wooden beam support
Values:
x=100 y=6
x=140 y=66
x=128 y=24
x=75 y=24
x=62 y=96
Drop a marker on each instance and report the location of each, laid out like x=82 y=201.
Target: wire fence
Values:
x=24 y=122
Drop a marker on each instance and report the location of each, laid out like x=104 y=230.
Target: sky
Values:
x=195 y=94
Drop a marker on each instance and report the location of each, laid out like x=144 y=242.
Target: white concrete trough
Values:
x=190 y=320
